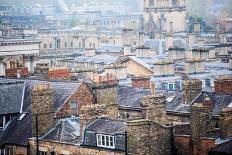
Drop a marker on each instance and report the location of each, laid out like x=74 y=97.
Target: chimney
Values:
x=152 y=87
x=197 y=27
x=225 y=122
x=164 y=68
x=194 y=66
x=154 y=109
x=169 y=41
x=198 y=117
x=230 y=63
x=90 y=112
x=42 y=105
x=223 y=85
x=141 y=82
x=218 y=27
x=191 y=88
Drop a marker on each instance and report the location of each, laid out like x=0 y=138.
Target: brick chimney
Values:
x=194 y=66
x=191 y=88
x=42 y=105
x=164 y=68
x=223 y=85
x=141 y=82
x=225 y=122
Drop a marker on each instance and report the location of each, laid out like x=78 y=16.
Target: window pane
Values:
x=111 y=141
x=98 y=139
x=73 y=105
x=7 y=119
x=107 y=141
x=103 y=140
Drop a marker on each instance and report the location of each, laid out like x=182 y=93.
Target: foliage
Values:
x=204 y=26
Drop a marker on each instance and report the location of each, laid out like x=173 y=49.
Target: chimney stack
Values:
x=42 y=106
x=191 y=88
x=164 y=68
x=141 y=82
x=225 y=122
x=197 y=27
x=223 y=85
x=194 y=66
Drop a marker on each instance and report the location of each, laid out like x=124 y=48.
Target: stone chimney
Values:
x=230 y=63
x=197 y=27
x=153 y=89
x=141 y=82
x=154 y=109
x=169 y=41
x=199 y=114
x=42 y=105
x=89 y=112
x=223 y=85
x=191 y=88
x=225 y=122
x=194 y=66
x=164 y=68
x=106 y=92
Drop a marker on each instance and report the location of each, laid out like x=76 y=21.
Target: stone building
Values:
x=167 y=16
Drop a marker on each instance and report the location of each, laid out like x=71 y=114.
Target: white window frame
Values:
x=2 y=151
x=102 y=142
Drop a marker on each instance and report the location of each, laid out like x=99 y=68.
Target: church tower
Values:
x=164 y=16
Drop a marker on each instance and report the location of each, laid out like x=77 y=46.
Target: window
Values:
x=42 y=153
x=2 y=151
x=207 y=83
x=4 y=119
x=50 y=45
x=65 y=44
x=45 y=46
x=71 y=44
x=73 y=107
x=151 y=3
x=171 y=86
x=105 y=141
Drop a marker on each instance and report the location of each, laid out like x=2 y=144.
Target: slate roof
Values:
x=219 y=100
x=224 y=148
x=107 y=126
x=130 y=97
x=65 y=131
x=11 y=94
x=106 y=59
x=18 y=132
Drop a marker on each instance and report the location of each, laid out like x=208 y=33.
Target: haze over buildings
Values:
x=125 y=77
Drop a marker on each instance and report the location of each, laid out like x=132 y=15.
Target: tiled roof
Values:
x=66 y=131
x=106 y=126
x=11 y=94
x=225 y=148
x=130 y=97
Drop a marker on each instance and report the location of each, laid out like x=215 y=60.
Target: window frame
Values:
x=173 y=86
x=103 y=140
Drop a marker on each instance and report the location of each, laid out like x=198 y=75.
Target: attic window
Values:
x=105 y=141
x=4 y=119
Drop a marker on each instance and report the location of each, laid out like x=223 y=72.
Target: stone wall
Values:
x=106 y=92
x=89 y=112
x=225 y=122
x=199 y=115
x=223 y=85
x=182 y=144
x=16 y=150
x=61 y=148
x=148 y=138
x=154 y=109
x=191 y=88
x=42 y=105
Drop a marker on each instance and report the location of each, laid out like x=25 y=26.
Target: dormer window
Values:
x=106 y=141
x=73 y=107
x=4 y=119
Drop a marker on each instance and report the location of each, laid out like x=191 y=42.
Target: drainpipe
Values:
x=126 y=151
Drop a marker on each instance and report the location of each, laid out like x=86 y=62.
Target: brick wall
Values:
x=13 y=72
x=17 y=150
x=59 y=74
x=142 y=82
x=223 y=85
x=83 y=96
